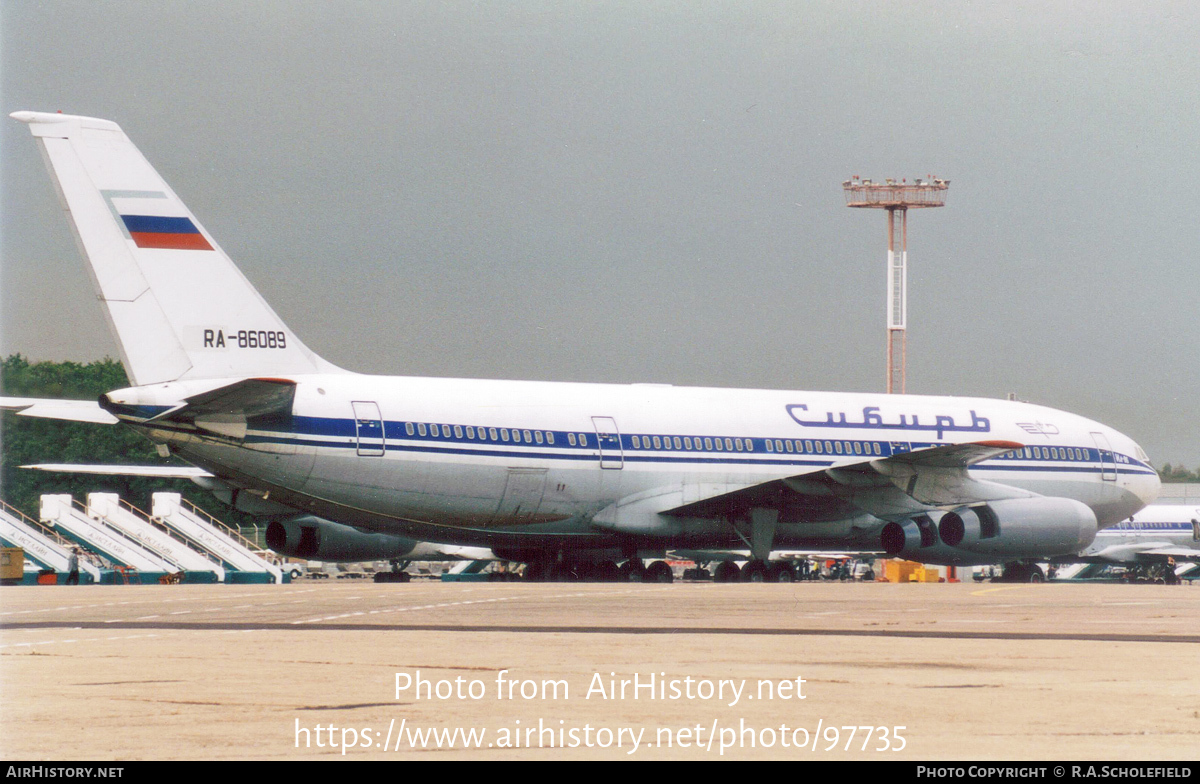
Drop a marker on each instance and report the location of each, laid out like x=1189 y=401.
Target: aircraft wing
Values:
x=158 y=472
x=893 y=486
x=1176 y=552
x=47 y=408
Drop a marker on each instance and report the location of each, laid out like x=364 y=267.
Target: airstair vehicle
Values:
x=205 y=531
x=19 y=530
x=133 y=563
x=132 y=523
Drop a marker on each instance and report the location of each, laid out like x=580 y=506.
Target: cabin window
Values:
x=770 y=447
x=528 y=437
x=657 y=443
x=503 y=434
x=808 y=447
x=637 y=442
x=583 y=440
x=458 y=432
x=687 y=442
x=408 y=428
x=708 y=444
x=678 y=442
x=421 y=429
x=549 y=437
x=875 y=447
x=537 y=436
x=857 y=448
x=720 y=445
x=571 y=439
x=728 y=444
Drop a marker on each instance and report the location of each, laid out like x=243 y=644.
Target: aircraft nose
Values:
x=1148 y=489
x=1146 y=484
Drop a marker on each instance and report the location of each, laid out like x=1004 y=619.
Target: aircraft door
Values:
x=609 y=439
x=368 y=428
x=1108 y=463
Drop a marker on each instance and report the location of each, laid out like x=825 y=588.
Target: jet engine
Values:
x=990 y=533
x=322 y=540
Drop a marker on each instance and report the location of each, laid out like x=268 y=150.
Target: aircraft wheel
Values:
x=607 y=572
x=780 y=573
x=727 y=572
x=754 y=572
x=660 y=572
x=537 y=571
x=562 y=573
x=1015 y=573
x=1035 y=574
x=632 y=571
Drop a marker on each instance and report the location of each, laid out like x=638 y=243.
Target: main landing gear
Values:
x=631 y=571
x=754 y=572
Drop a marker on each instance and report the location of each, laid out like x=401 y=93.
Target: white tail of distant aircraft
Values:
x=569 y=474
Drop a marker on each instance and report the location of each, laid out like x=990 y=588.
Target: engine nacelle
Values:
x=998 y=531
x=917 y=539
x=322 y=540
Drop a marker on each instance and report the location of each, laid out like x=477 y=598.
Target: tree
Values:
x=27 y=440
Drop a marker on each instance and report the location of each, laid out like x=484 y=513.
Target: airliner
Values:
x=567 y=477
x=1153 y=535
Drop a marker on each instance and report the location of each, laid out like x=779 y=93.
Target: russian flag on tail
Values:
x=153 y=231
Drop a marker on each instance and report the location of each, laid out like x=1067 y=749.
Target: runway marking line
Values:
x=452 y=604
x=993 y=590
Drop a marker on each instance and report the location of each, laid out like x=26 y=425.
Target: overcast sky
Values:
x=638 y=191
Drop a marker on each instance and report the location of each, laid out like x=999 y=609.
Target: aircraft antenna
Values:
x=896 y=198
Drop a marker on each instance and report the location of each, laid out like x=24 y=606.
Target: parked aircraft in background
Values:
x=1156 y=536
x=566 y=476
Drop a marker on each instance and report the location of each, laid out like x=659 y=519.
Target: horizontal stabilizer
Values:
x=68 y=410
x=254 y=397
x=157 y=472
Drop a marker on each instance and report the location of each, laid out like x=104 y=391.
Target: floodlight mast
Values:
x=896 y=198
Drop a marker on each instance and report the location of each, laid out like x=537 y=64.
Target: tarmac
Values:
x=429 y=670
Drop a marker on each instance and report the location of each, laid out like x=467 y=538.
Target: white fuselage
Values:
x=485 y=462
x=1160 y=526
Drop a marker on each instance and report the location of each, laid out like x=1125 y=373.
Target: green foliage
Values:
x=26 y=440
x=1178 y=474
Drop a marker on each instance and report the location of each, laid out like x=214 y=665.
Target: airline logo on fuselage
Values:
x=872 y=420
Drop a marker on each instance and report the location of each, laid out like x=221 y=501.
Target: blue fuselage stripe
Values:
x=578 y=446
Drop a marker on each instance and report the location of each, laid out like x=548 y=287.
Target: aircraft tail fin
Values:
x=177 y=305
